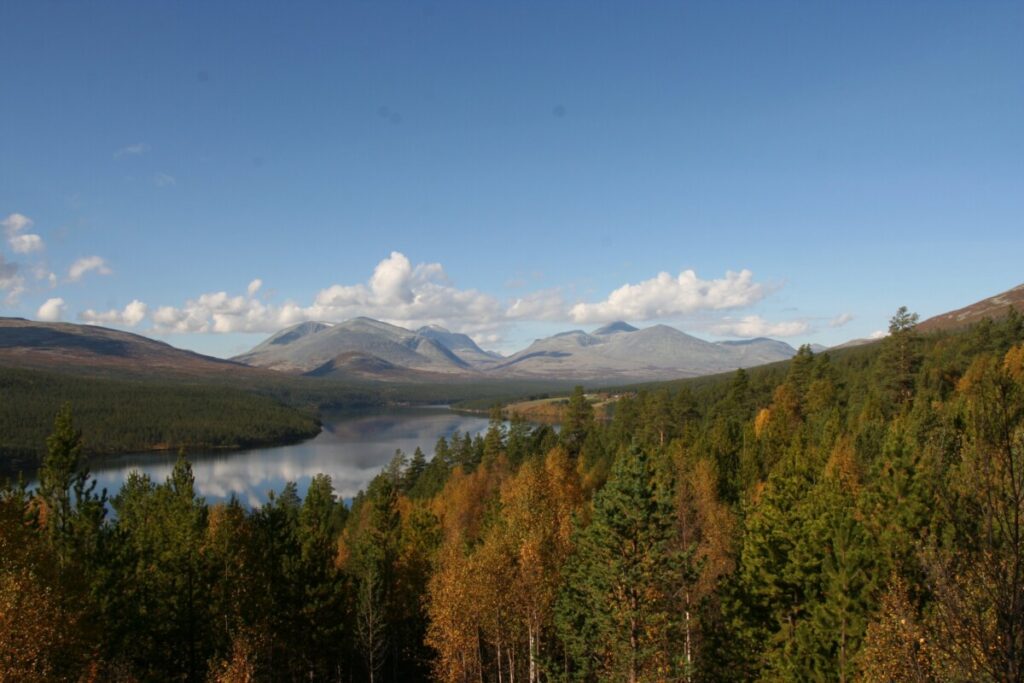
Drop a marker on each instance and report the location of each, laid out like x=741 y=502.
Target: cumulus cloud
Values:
x=132 y=314
x=878 y=334
x=86 y=265
x=396 y=292
x=135 y=150
x=756 y=326
x=399 y=292
x=25 y=244
x=665 y=296
x=221 y=312
x=52 y=310
x=21 y=243
x=840 y=320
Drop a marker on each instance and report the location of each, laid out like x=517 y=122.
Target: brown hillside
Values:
x=88 y=349
x=993 y=307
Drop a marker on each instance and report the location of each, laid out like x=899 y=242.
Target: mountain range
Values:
x=368 y=348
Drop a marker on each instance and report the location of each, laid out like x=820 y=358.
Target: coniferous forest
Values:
x=856 y=516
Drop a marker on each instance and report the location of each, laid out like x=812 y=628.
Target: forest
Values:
x=122 y=416
x=856 y=516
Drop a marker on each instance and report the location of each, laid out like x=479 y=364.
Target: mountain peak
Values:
x=612 y=328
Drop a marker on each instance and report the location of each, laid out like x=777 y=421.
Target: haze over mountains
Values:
x=369 y=348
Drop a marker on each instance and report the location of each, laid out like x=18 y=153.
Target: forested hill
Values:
x=837 y=518
x=132 y=393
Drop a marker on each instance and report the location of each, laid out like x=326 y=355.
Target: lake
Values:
x=352 y=449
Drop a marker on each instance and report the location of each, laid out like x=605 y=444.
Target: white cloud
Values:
x=164 y=180
x=11 y=281
x=25 y=244
x=840 y=320
x=399 y=292
x=666 y=296
x=546 y=304
x=88 y=264
x=14 y=225
x=132 y=314
x=52 y=310
x=135 y=150
x=220 y=312
x=396 y=292
x=756 y=326
x=878 y=334
x=52 y=279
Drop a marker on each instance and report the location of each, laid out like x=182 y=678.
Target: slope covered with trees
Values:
x=848 y=518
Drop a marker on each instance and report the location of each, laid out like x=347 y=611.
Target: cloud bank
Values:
x=756 y=326
x=132 y=314
x=665 y=296
x=399 y=292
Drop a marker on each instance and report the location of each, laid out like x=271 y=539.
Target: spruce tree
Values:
x=616 y=612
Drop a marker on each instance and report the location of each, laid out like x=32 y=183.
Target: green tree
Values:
x=577 y=421
x=73 y=510
x=900 y=356
x=617 y=612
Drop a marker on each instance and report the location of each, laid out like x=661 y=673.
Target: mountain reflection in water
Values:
x=352 y=449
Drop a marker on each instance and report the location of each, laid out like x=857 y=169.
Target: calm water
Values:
x=352 y=448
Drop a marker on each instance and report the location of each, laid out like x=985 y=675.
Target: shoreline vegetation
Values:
x=157 y=414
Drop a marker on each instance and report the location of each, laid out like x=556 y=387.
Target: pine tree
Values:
x=73 y=510
x=577 y=421
x=900 y=356
x=616 y=613
x=417 y=466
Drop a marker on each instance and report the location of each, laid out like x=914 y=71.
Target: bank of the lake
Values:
x=352 y=447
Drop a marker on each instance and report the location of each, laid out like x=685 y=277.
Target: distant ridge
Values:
x=90 y=349
x=993 y=307
x=365 y=348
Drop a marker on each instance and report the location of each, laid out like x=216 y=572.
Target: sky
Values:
x=208 y=173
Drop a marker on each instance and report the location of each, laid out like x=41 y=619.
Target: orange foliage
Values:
x=1013 y=362
x=761 y=421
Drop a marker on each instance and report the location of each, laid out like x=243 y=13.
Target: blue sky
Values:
x=505 y=168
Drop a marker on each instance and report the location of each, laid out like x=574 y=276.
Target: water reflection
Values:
x=351 y=448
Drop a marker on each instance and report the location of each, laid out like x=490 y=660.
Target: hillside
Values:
x=89 y=349
x=993 y=307
x=135 y=394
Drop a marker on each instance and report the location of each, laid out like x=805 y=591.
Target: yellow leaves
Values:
x=975 y=375
x=844 y=467
x=1013 y=363
x=761 y=421
x=34 y=628
x=240 y=667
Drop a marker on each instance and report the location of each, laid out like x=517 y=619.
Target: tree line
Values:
x=845 y=517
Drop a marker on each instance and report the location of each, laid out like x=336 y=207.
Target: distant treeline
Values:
x=124 y=416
